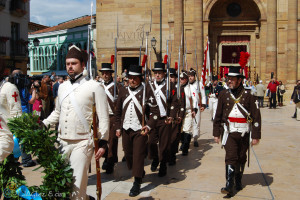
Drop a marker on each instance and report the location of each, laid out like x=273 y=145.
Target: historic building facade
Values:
x=49 y=53
x=14 y=18
x=267 y=29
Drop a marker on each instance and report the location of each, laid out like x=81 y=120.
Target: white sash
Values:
x=134 y=99
x=74 y=86
x=158 y=91
x=108 y=92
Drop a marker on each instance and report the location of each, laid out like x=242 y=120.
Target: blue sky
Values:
x=53 y=12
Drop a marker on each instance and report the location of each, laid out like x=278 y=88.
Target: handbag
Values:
x=282 y=91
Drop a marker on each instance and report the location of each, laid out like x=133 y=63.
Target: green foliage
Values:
x=41 y=142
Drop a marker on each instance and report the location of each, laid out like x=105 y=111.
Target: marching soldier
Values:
x=167 y=112
x=200 y=102
x=190 y=113
x=177 y=123
x=129 y=121
x=111 y=156
x=215 y=89
x=73 y=112
x=238 y=115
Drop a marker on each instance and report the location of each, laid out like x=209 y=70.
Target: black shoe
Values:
x=196 y=144
x=154 y=165
x=124 y=159
x=228 y=189
x=238 y=176
x=30 y=163
x=162 y=170
x=135 y=190
x=105 y=165
x=109 y=169
x=91 y=198
x=294 y=116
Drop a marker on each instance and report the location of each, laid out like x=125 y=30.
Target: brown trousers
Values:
x=112 y=156
x=160 y=134
x=135 y=148
x=236 y=148
x=174 y=139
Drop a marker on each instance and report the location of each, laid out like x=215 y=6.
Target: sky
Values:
x=53 y=12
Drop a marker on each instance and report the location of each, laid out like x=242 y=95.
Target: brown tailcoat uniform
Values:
x=112 y=153
x=161 y=133
x=175 y=133
x=135 y=144
x=236 y=146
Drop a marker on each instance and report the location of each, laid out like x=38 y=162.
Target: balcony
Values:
x=17 y=8
x=18 y=47
x=2 y=4
x=3 y=41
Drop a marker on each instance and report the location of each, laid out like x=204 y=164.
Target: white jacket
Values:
x=70 y=126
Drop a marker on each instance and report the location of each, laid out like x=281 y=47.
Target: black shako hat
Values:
x=235 y=71
x=135 y=70
x=106 y=67
x=173 y=71
x=158 y=66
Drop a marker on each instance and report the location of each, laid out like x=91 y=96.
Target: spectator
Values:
x=37 y=105
x=280 y=92
x=296 y=99
x=273 y=87
x=52 y=78
x=46 y=95
x=60 y=80
x=124 y=74
x=260 y=93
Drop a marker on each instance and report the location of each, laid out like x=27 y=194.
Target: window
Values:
x=15 y=37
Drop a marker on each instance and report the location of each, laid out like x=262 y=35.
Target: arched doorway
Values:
x=233 y=26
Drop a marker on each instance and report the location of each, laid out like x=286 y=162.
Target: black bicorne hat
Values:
x=135 y=70
x=235 y=71
x=158 y=66
x=106 y=67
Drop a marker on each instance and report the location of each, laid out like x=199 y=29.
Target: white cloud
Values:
x=53 y=12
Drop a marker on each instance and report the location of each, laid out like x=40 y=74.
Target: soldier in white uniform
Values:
x=73 y=112
x=200 y=102
x=190 y=113
x=6 y=141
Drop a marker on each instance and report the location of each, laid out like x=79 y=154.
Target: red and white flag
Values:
x=206 y=73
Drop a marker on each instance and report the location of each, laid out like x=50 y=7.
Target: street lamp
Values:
x=153 y=44
x=36 y=42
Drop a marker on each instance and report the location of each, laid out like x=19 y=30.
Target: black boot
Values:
x=110 y=168
x=162 y=169
x=135 y=190
x=172 y=160
x=238 y=176
x=105 y=164
x=228 y=189
x=186 y=144
x=154 y=164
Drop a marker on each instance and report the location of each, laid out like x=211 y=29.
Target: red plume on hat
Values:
x=112 y=59
x=244 y=56
x=176 y=66
x=144 y=60
x=166 y=59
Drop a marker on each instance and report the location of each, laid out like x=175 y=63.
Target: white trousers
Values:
x=196 y=125
x=213 y=103
x=192 y=125
x=79 y=153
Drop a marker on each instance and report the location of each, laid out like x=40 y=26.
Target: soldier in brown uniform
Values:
x=167 y=112
x=237 y=115
x=129 y=115
x=111 y=156
x=177 y=122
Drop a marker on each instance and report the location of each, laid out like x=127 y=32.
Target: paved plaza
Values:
x=274 y=167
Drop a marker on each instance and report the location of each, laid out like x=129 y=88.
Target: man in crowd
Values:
x=167 y=113
x=46 y=95
x=129 y=123
x=60 y=80
x=111 y=156
x=237 y=110
x=272 y=86
x=213 y=97
x=260 y=93
x=74 y=113
x=198 y=96
x=296 y=99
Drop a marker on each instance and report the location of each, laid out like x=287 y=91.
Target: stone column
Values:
x=292 y=41
x=271 y=38
x=198 y=32
x=178 y=29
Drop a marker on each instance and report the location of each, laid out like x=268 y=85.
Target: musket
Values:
x=145 y=86
x=168 y=71
x=95 y=134
x=178 y=75
x=197 y=79
x=185 y=53
x=116 y=66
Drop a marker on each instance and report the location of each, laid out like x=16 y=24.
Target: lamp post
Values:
x=158 y=54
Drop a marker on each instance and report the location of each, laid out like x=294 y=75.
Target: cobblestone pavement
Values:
x=274 y=167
